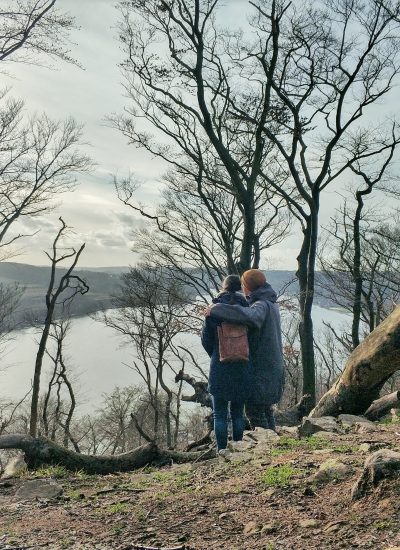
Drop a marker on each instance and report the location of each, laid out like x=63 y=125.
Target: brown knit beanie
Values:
x=253 y=279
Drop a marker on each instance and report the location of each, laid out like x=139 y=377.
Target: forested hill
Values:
x=34 y=280
x=103 y=283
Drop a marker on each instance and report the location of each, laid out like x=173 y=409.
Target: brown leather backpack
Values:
x=233 y=343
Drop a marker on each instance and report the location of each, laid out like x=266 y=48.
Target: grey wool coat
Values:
x=265 y=340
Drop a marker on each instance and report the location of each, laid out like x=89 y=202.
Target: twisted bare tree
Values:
x=63 y=291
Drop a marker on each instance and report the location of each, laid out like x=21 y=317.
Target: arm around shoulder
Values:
x=252 y=316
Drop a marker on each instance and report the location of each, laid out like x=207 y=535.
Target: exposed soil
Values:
x=208 y=506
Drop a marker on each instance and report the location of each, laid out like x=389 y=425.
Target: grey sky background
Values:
x=89 y=94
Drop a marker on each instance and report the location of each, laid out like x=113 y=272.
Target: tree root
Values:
x=41 y=451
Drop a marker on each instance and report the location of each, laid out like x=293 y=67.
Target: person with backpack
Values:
x=229 y=378
x=265 y=341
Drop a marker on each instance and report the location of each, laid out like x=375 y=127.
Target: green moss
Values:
x=118 y=508
x=389 y=420
x=278 y=476
x=56 y=472
x=174 y=480
x=344 y=449
x=118 y=528
x=382 y=525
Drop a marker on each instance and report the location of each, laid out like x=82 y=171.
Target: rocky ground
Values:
x=272 y=493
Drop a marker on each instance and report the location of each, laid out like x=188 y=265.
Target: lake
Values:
x=97 y=358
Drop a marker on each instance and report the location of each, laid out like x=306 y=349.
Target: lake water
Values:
x=96 y=357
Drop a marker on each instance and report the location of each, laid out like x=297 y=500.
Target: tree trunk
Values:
x=305 y=275
x=366 y=370
x=382 y=406
x=248 y=239
x=38 y=371
x=357 y=277
x=41 y=451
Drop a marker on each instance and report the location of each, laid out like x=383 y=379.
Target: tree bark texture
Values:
x=366 y=370
x=41 y=451
x=305 y=275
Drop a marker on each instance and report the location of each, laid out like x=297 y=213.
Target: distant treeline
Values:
x=103 y=283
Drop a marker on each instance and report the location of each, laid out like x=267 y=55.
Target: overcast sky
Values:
x=89 y=94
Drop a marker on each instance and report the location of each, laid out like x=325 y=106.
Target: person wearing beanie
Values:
x=265 y=341
x=228 y=384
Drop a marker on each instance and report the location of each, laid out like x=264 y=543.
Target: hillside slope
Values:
x=267 y=500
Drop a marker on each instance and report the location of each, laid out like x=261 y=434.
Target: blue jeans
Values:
x=220 y=412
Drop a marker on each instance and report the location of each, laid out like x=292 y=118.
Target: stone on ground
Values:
x=309 y=523
x=350 y=420
x=365 y=427
x=251 y=528
x=241 y=446
x=261 y=435
x=14 y=467
x=38 y=489
x=288 y=430
x=384 y=463
x=364 y=448
x=270 y=527
x=333 y=469
x=311 y=426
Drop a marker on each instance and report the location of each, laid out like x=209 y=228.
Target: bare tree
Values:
x=33 y=29
x=64 y=290
x=115 y=426
x=198 y=229
x=360 y=267
x=292 y=358
x=152 y=311
x=281 y=111
x=331 y=358
x=326 y=77
x=8 y=412
x=39 y=160
x=215 y=158
x=65 y=406
x=9 y=298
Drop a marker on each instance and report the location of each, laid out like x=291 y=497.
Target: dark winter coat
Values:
x=229 y=381
x=265 y=340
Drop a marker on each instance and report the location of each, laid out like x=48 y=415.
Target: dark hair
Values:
x=232 y=284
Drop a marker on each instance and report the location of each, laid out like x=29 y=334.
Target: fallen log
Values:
x=41 y=451
x=382 y=406
x=366 y=371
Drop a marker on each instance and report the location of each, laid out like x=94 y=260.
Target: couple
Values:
x=258 y=382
